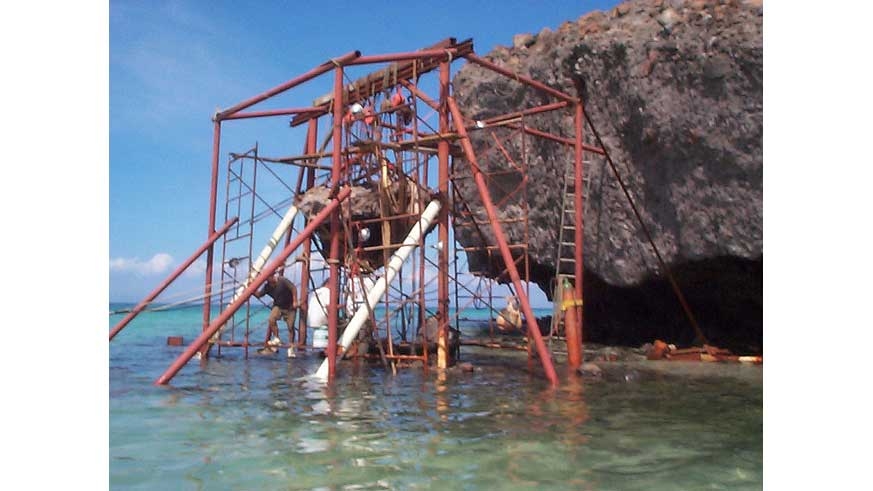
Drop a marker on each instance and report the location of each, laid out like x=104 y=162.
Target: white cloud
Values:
x=159 y=263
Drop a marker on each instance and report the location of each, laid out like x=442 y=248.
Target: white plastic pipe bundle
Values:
x=397 y=260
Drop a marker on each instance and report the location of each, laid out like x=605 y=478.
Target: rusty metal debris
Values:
x=663 y=351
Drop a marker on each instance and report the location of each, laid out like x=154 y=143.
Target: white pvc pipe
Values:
x=268 y=249
x=397 y=260
x=266 y=252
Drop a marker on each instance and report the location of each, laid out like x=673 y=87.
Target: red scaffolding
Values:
x=388 y=151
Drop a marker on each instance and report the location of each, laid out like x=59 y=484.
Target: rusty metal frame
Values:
x=415 y=153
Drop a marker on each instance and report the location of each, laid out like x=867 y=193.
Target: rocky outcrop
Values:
x=675 y=90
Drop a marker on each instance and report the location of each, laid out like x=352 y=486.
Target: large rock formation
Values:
x=675 y=90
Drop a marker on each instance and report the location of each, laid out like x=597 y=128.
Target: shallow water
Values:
x=259 y=423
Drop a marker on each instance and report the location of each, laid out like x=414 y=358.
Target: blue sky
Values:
x=172 y=64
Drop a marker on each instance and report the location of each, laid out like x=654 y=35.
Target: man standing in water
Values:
x=284 y=295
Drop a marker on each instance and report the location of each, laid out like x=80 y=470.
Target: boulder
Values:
x=675 y=91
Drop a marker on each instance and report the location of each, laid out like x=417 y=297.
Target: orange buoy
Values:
x=397 y=98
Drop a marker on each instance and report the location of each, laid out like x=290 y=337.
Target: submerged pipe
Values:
x=373 y=296
x=268 y=270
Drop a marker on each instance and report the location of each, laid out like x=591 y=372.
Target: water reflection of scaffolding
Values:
x=370 y=194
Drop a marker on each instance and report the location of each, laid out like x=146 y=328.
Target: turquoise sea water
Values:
x=260 y=424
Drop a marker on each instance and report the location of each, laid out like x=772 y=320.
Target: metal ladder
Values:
x=236 y=247
x=565 y=259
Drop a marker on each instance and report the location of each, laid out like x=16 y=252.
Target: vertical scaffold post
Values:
x=213 y=192
x=443 y=262
x=311 y=142
x=332 y=318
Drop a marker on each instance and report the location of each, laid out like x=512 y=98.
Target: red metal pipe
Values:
x=520 y=78
x=532 y=326
x=311 y=144
x=568 y=307
x=559 y=139
x=443 y=186
x=324 y=67
x=414 y=55
x=273 y=112
x=520 y=186
x=579 y=207
x=535 y=132
x=334 y=259
x=422 y=172
x=421 y=95
x=213 y=193
x=175 y=274
x=256 y=283
x=527 y=112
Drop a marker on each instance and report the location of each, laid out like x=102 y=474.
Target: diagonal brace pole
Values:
x=532 y=327
x=170 y=279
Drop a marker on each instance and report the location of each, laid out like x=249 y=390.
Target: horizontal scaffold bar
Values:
x=272 y=112
x=492 y=248
x=487 y=222
x=324 y=67
x=388 y=77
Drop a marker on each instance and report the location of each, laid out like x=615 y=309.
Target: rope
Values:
x=645 y=229
x=477 y=296
x=168 y=306
x=229 y=288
